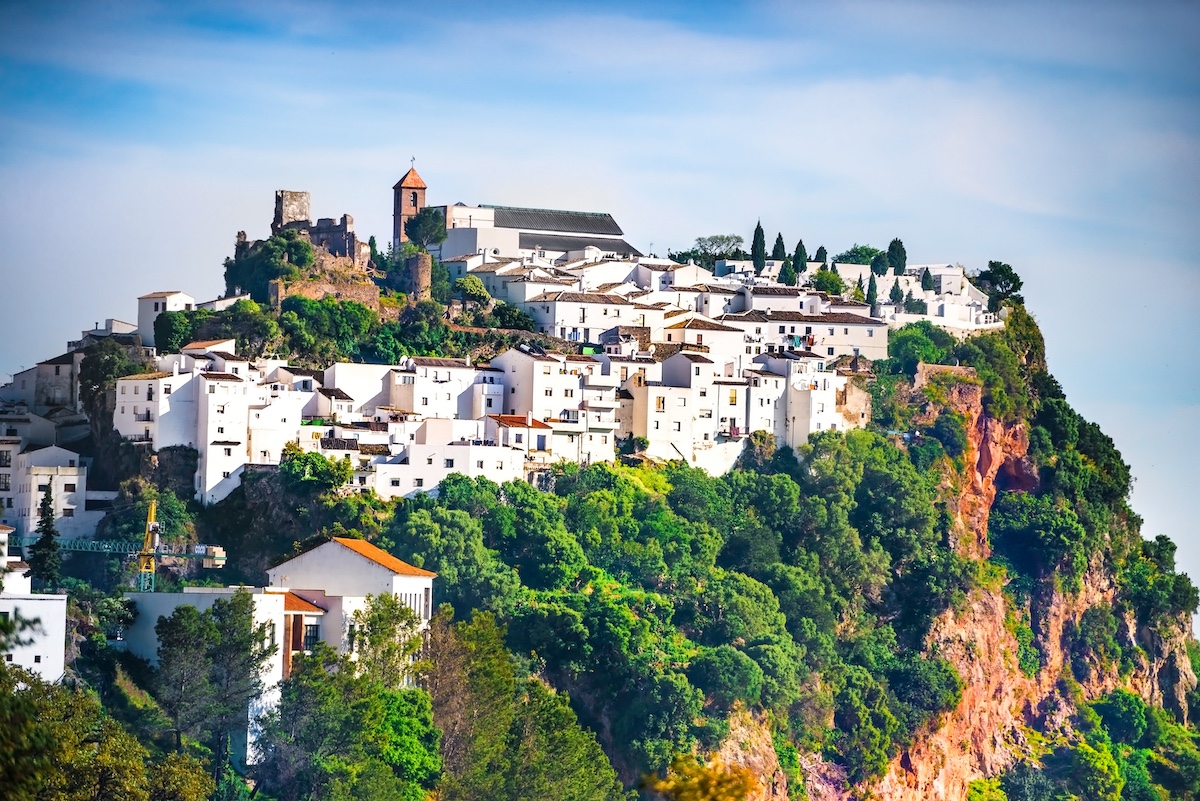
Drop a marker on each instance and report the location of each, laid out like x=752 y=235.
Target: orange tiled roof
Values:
x=294 y=603
x=411 y=181
x=381 y=557
x=517 y=421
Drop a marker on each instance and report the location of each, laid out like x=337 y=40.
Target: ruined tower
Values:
x=291 y=210
x=420 y=276
x=408 y=199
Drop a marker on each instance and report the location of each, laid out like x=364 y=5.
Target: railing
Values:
x=143 y=417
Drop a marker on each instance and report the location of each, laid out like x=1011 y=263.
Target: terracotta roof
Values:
x=702 y=325
x=66 y=358
x=339 y=444
x=674 y=313
x=517 y=421
x=374 y=449
x=433 y=361
x=382 y=557
x=159 y=295
x=305 y=371
x=411 y=180
x=204 y=344
x=294 y=603
x=785 y=291
x=6 y=529
x=335 y=393
x=211 y=376
x=150 y=376
x=800 y=317
x=227 y=356
x=695 y=357
x=580 y=297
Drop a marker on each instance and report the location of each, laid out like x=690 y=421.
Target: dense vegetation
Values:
x=595 y=633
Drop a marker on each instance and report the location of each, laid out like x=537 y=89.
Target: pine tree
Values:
x=788 y=275
x=908 y=302
x=800 y=258
x=897 y=257
x=872 y=291
x=780 y=250
x=45 y=561
x=927 y=280
x=822 y=255
x=758 y=249
x=897 y=294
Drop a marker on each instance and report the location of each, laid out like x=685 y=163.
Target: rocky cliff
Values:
x=986 y=733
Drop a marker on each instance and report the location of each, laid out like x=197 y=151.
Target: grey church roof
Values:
x=570 y=243
x=568 y=222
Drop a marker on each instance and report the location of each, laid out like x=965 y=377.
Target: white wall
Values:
x=44 y=653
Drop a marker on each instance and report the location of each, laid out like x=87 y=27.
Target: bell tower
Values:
x=408 y=198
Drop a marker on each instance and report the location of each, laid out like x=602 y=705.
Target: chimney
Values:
x=528 y=419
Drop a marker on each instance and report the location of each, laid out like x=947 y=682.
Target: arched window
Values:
x=412 y=199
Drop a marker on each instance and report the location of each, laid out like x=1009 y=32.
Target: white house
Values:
x=45 y=643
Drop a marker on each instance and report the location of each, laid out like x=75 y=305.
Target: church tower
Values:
x=408 y=199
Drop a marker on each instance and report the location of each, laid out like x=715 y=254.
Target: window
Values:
x=733 y=397
x=479 y=464
x=758 y=329
x=704 y=393
x=57 y=370
x=706 y=414
x=412 y=199
x=748 y=349
x=489 y=403
x=846 y=331
x=808 y=329
x=829 y=351
x=678 y=426
x=830 y=332
x=418 y=482
x=499 y=465
x=512 y=391
x=212 y=390
x=428 y=460
x=220 y=429
x=604 y=439
x=395 y=482
x=549 y=392
x=122 y=410
x=37 y=659
x=229 y=451
x=681 y=402
x=783 y=329
x=424 y=401
x=312 y=633
x=569 y=393
x=697 y=371
x=43 y=487
x=5 y=458
x=122 y=389
x=870 y=333
x=655 y=425
x=68 y=487
x=166 y=389
x=520 y=438
x=449 y=463
x=6 y=483
x=225 y=474
x=136 y=388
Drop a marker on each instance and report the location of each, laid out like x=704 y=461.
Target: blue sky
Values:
x=136 y=139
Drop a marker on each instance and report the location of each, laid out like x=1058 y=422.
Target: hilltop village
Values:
x=642 y=356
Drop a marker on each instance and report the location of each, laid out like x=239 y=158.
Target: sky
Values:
x=138 y=138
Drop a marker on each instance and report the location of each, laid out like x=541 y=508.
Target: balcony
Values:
x=143 y=417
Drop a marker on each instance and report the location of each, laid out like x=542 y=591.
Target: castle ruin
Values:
x=336 y=237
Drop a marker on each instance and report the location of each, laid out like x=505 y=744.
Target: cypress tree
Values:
x=758 y=249
x=800 y=258
x=927 y=280
x=780 y=250
x=908 y=302
x=822 y=255
x=45 y=561
x=897 y=294
x=787 y=275
x=872 y=291
x=897 y=257
x=879 y=264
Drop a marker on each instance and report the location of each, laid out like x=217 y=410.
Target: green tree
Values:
x=508 y=316
x=239 y=651
x=172 y=330
x=879 y=264
x=1096 y=772
x=472 y=289
x=872 y=291
x=897 y=256
x=896 y=294
x=180 y=777
x=103 y=363
x=183 y=681
x=427 y=227
x=386 y=639
x=858 y=254
x=45 y=559
x=1000 y=282
x=787 y=274
x=758 y=248
x=311 y=473
x=927 y=280
x=726 y=675
x=828 y=282
x=779 y=250
x=800 y=258
x=822 y=255
x=255 y=265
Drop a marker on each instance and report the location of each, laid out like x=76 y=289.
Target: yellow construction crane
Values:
x=146 y=563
